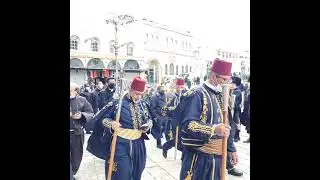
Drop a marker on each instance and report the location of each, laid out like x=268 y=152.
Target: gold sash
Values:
x=130 y=134
x=214 y=146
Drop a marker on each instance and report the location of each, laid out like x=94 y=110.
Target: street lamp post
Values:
x=117 y=21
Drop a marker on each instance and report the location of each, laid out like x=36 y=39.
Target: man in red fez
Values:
x=172 y=123
x=135 y=122
x=199 y=116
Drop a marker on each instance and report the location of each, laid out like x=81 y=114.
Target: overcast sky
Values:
x=220 y=23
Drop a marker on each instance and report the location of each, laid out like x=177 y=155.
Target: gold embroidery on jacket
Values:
x=136 y=115
x=197 y=127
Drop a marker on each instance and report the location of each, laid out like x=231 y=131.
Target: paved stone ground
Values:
x=159 y=168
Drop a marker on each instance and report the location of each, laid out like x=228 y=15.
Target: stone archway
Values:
x=131 y=65
x=131 y=69
x=95 y=63
x=112 y=68
x=112 y=65
x=77 y=71
x=76 y=63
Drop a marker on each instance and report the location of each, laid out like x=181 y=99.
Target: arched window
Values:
x=130 y=49
x=111 y=44
x=171 y=69
x=74 y=42
x=166 y=69
x=182 y=69
x=94 y=44
x=131 y=64
x=177 y=70
x=186 y=68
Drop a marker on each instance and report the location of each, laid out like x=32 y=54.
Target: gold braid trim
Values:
x=106 y=122
x=203 y=117
x=197 y=127
x=138 y=114
x=135 y=114
x=170 y=134
x=214 y=146
x=190 y=174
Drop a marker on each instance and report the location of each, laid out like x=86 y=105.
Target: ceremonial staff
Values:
x=225 y=102
x=177 y=133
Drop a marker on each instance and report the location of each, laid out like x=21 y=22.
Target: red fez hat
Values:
x=180 y=82
x=221 y=67
x=138 y=84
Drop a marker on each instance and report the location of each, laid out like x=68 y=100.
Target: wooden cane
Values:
x=114 y=141
x=177 y=132
x=176 y=143
x=225 y=102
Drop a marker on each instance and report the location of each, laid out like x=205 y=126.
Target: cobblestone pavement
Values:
x=157 y=167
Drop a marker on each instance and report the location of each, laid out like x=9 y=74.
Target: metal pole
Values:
x=116 y=57
x=154 y=74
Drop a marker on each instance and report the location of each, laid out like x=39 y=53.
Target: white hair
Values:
x=74 y=85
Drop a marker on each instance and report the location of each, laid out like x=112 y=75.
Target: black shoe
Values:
x=159 y=146
x=165 y=153
x=235 y=172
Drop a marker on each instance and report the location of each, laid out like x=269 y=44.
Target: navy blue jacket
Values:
x=197 y=113
x=101 y=137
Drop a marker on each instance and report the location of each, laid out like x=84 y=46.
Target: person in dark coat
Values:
x=147 y=95
x=198 y=81
x=237 y=105
x=188 y=82
x=80 y=113
x=246 y=112
x=135 y=123
x=158 y=101
x=86 y=93
x=95 y=97
x=106 y=94
x=172 y=122
x=71 y=174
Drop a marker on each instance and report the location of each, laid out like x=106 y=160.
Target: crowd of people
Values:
x=187 y=114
